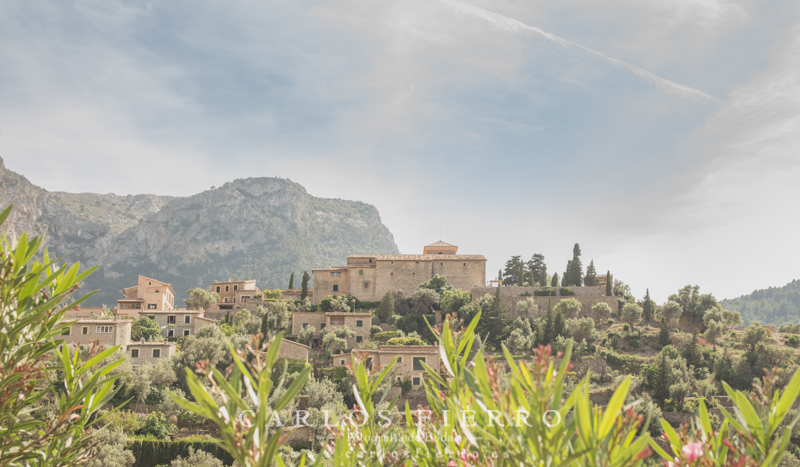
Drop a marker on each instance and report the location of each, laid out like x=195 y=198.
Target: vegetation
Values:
x=200 y=299
x=777 y=305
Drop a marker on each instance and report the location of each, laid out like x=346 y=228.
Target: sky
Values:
x=662 y=136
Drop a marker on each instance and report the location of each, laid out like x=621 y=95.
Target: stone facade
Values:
x=408 y=364
x=143 y=352
x=107 y=332
x=294 y=351
x=177 y=323
x=233 y=292
x=510 y=296
x=358 y=322
x=148 y=295
x=369 y=277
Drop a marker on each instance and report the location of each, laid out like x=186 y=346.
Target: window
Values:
x=156 y=291
x=156 y=353
x=399 y=359
x=171 y=319
x=153 y=317
x=366 y=285
x=335 y=287
x=416 y=382
x=234 y=299
x=66 y=332
x=151 y=306
x=217 y=288
x=226 y=288
x=235 y=288
x=341 y=362
x=134 y=353
x=359 y=323
x=305 y=325
x=398 y=379
x=185 y=332
x=358 y=339
x=85 y=330
x=226 y=299
x=149 y=283
x=171 y=333
x=103 y=329
x=322 y=326
x=418 y=361
x=441 y=264
x=360 y=272
x=369 y=363
x=187 y=319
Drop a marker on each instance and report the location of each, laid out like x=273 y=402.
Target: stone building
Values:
x=106 y=332
x=232 y=293
x=294 y=351
x=177 y=323
x=149 y=295
x=358 y=322
x=143 y=352
x=409 y=360
x=369 y=277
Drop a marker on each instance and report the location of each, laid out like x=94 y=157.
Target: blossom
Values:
x=692 y=451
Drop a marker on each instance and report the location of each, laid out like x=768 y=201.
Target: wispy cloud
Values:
x=518 y=27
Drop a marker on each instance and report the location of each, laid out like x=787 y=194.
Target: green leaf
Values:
x=613 y=408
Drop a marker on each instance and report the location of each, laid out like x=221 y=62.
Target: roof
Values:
x=103 y=321
x=207 y=319
x=170 y=312
x=440 y=243
x=131 y=300
x=287 y=341
x=346 y=313
x=422 y=257
x=159 y=343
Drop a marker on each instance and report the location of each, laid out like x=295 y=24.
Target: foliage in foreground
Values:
x=45 y=420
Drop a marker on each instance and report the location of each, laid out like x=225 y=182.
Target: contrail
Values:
x=512 y=25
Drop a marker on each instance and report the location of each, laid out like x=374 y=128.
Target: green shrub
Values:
x=127 y=421
x=544 y=293
x=792 y=341
x=406 y=341
x=626 y=327
x=566 y=292
x=157 y=425
x=152 y=453
x=385 y=335
x=271 y=294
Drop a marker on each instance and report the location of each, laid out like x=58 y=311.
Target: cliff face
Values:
x=256 y=228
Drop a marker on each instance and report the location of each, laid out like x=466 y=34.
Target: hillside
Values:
x=255 y=228
x=775 y=305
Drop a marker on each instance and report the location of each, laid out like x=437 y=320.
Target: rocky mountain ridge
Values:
x=254 y=228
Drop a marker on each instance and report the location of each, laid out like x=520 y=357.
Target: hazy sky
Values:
x=663 y=136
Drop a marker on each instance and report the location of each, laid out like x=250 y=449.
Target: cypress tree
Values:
x=558 y=325
x=227 y=318
x=591 y=274
x=291 y=281
x=609 y=285
x=546 y=330
x=691 y=351
x=304 y=285
x=663 y=337
x=265 y=329
x=648 y=307
x=663 y=379
x=554 y=280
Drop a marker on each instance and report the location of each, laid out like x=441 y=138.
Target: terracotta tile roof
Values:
x=160 y=343
x=429 y=257
x=439 y=243
x=103 y=321
x=170 y=312
x=346 y=313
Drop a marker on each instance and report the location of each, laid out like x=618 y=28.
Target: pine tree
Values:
x=304 y=285
x=537 y=270
x=609 y=285
x=663 y=337
x=514 y=273
x=648 y=307
x=291 y=281
x=554 y=280
x=591 y=274
x=386 y=308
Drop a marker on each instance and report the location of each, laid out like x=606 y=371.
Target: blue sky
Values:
x=662 y=135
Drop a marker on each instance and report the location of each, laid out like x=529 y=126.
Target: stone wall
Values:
x=310 y=319
x=510 y=296
x=166 y=350
x=294 y=351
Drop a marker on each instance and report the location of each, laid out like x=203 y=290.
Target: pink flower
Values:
x=692 y=451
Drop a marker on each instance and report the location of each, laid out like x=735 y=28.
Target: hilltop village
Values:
x=382 y=308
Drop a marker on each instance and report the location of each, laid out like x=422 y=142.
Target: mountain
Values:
x=254 y=228
x=775 y=305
